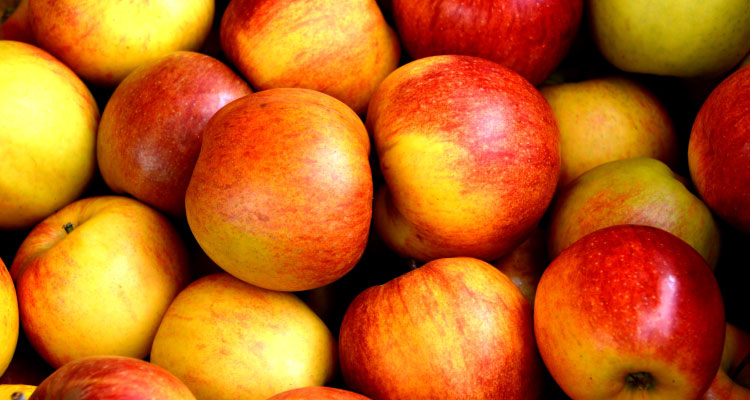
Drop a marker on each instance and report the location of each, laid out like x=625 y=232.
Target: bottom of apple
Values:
x=639 y=381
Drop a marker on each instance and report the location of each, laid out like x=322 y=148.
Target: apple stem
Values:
x=745 y=361
x=17 y=396
x=640 y=381
x=68 y=227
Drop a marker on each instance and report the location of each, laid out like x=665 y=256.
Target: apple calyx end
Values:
x=640 y=381
x=68 y=227
x=17 y=396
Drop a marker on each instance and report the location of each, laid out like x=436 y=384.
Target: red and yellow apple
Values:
x=227 y=339
x=16 y=26
x=608 y=119
x=96 y=277
x=529 y=37
x=736 y=352
x=8 y=318
x=526 y=263
x=318 y=393
x=111 y=377
x=641 y=191
x=469 y=151
x=630 y=311
x=281 y=194
x=455 y=328
x=343 y=48
x=151 y=128
x=47 y=135
x=719 y=150
x=103 y=41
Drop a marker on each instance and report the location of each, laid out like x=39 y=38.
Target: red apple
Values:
x=343 y=48
x=103 y=41
x=736 y=353
x=529 y=37
x=281 y=194
x=318 y=393
x=455 y=328
x=719 y=150
x=150 y=132
x=111 y=377
x=17 y=27
x=469 y=151
x=630 y=311
x=8 y=318
x=96 y=277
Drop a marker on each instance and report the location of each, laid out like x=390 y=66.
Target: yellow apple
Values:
x=96 y=277
x=48 y=123
x=8 y=318
x=103 y=41
x=6 y=391
x=608 y=119
x=227 y=339
x=685 y=38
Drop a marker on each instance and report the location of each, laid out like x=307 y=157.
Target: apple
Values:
x=318 y=393
x=641 y=191
x=469 y=152
x=736 y=352
x=16 y=26
x=529 y=37
x=8 y=318
x=607 y=119
x=103 y=41
x=455 y=328
x=111 y=377
x=150 y=131
x=48 y=123
x=11 y=392
x=719 y=150
x=343 y=48
x=526 y=263
x=682 y=38
x=96 y=277
x=281 y=194
x=630 y=311
x=227 y=339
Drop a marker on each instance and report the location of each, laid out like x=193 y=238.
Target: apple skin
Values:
x=227 y=339
x=455 y=328
x=624 y=300
x=150 y=132
x=281 y=194
x=17 y=27
x=111 y=377
x=526 y=263
x=103 y=41
x=469 y=151
x=719 y=150
x=608 y=119
x=318 y=393
x=672 y=37
x=6 y=391
x=102 y=288
x=641 y=191
x=736 y=348
x=529 y=37
x=47 y=114
x=343 y=48
x=8 y=318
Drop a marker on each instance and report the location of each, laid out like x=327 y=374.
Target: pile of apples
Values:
x=361 y=199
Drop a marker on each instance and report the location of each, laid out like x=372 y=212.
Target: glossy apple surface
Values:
x=719 y=150
x=681 y=38
x=641 y=191
x=455 y=328
x=103 y=41
x=96 y=277
x=343 y=48
x=47 y=135
x=608 y=119
x=318 y=393
x=630 y=311
x=529 y=37
x=469 y=151
x=736 y=353
x=8 y=318
x=227 y=339
x=111 y=377
x=151 y=128
x=281 y=194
